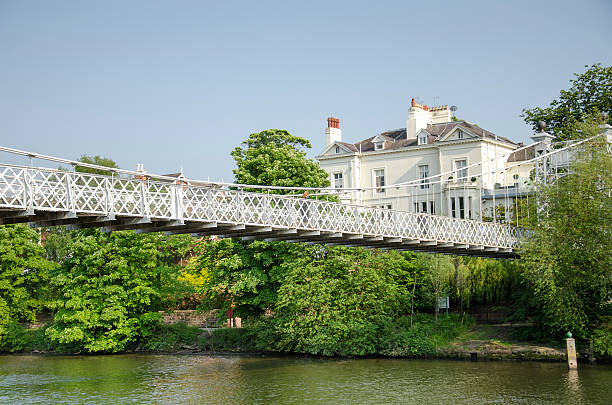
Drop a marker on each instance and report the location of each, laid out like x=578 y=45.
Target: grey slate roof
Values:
x=396 y=139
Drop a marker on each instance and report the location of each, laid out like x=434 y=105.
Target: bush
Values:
x=19 y=339
x=167 y=338
x=425 y=336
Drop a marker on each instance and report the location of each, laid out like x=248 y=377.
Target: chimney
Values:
x=142 y=174
x=419 y=117
x=333 y=133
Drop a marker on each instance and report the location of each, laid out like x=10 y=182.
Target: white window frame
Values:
x=384 y=171
x=337 y=149
x=424 y=183
x=460 y=134
x=379 y=145
x=333 y=178
x=456 y=169
x=422 y=139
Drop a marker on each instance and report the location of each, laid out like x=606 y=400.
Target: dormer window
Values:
x=423 y=139
x=337 y=149
x=379 y=145
x=459 y=134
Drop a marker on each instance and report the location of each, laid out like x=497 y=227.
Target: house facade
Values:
x=438 y=163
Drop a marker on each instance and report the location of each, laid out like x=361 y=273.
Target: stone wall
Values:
x=191 y=317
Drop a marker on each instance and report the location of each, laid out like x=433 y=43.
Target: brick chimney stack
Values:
x=333 y=133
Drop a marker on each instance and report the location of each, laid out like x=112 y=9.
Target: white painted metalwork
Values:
x=128 y=200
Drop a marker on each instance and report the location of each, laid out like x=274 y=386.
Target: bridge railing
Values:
x=91 y=194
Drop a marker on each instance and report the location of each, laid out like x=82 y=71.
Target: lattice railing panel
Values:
x=13 y=187
x=95 y=194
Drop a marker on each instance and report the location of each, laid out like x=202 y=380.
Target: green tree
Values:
x=340 y=302
x=245 y=275
x=439 y=270
x=96 y=160
x=567 y=259
x=111 y=289
x=275 y=158
x=590 y=93
x=24 y=274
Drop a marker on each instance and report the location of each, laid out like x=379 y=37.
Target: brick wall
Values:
x=191 y=317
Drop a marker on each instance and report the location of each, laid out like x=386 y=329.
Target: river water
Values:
x=195 y=379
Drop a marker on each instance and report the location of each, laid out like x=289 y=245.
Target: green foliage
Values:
x=439 y=270
x=590 y=93
x=567 y=260
x=96 y=160
x=19 y=339
x=24 y=274
x=423 y=338
x=490 y=280
x=274 y=158
x=157 y=337
x=57 y=244
x=244 y=274
x=601 y=338
x=227 y=340
x=337 y=305
x=111 y=286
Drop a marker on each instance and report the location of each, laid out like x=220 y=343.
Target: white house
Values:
x=432 y=144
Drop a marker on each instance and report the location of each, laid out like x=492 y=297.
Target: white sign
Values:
x=443 y=303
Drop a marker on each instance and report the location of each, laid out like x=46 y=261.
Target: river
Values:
x=188 y=379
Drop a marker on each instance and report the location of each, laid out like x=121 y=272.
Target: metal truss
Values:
x=48 y=197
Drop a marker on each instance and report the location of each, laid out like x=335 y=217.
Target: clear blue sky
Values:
x=181 y=83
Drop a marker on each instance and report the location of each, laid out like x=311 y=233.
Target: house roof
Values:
x=521 y=155
x=396 y=139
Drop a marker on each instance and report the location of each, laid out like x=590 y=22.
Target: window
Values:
x=457 y=207
x=378 y=145
x=424 y=206
x=379 y=179
x=385 y=206
x=421 y=207
x=461 y=171
x=423 y=139
x=459 y=134
x=338 y=180
x=423 y=174
x=337 y=149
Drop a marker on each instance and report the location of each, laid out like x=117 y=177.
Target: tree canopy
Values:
x=274 y=157
x=590 y=93
x=24 y=274
x=96 y=160
x=112 y=287
x=567 y=259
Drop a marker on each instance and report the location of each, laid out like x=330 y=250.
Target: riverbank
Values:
x=447 y=338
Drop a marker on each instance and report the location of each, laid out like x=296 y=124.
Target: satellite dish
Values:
x=453 y=108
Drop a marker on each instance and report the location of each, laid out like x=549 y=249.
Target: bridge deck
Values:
x=48 y=197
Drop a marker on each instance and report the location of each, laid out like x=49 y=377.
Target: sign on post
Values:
x=443 y=303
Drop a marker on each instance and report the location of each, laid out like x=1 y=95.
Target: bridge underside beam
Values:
x=72 y=220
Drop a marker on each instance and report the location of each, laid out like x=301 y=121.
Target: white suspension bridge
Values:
x=45 y=197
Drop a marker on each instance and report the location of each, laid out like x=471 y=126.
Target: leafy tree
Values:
x=274 y=157
x=24 y=273
x=57 y=243
x=567 y=259
x=590 y=93
x=111 y=288
x=96 y=160
x=439 y=270
x=245 y=275
x=340 y=303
